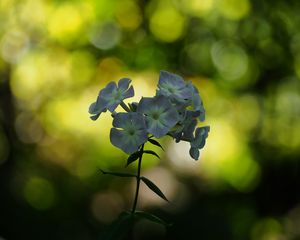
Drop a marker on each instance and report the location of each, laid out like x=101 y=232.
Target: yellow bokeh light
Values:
x=198 y=8
x=225 y=152
x=128 y=14
x=39 y=193
x=69 y=20
x=234 y=9
x=167 y=23
x=37 y=19
x=40 y=74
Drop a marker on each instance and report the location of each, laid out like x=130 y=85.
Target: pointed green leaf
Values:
x=151 y=217
x=133 y=157
x=118 y=174
x=156 y=143
x=151 y=152
x=119 y=228
x=154 y=188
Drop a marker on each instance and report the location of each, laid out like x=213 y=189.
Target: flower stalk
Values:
x=138 y=180
x=124 y=106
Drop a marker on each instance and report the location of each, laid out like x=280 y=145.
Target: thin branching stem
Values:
x=124 y=106
x=138 y=179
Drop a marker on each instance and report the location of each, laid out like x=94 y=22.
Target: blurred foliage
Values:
x=244 y=56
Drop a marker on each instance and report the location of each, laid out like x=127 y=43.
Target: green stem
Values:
x=124 y=106
x=138 y=179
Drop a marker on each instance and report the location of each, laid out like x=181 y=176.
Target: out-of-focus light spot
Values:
x=4 y=148
x=162 y=22
x=178 y=153
x=40 y=74
x=108 y=69
x=230 y=60
x=232 y=154
x=281 y=125
x=63 y=152
x=104 y=9
x=234 y=9
x=84 y=167
x=39 y=193
x=37 y=19
x=166 y=183
x=267 y=229
x=128 y=14
x=247 y=113
x=70 y=115
x=82 y=68
x=28 y=128
x=105 y=36
x=68 y=20
x=247 y=176
x=197 y=8
x=197 y=56
x=261 y=28
x=292 y=223
x=144 y=84
x=14 y=45
x=106 y=206
x=5 y=4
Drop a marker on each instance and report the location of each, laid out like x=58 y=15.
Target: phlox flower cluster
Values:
x=174 y=111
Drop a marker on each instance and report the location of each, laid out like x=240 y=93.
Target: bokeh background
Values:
x=243 y=55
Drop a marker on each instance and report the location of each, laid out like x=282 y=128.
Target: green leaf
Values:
x=154 y=188
x=118 y=174
x=133 y=157
x=119 y=228
x=156 y=143
x=151 y=217
x=151 y=152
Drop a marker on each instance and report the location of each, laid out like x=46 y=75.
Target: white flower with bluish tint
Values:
x=128 y=132
x=174 y=87
x=111 y=96
x=159 y=113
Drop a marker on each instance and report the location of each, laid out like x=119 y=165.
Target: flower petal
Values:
x=160 y=115
x=156 y=128
x=200 y=137
x=194 y=153
x=123 y=84
x=106 y=92
x=132 y=135
x=128 y=93
x=197 y=102
x=132 y=119
x=170 y=79
x=119 y=139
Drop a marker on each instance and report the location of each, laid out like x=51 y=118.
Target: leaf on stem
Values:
x=133 y=157
x=151 y=217
x=151 y=152
x=118 y=174
x=154 y=188
x=119 y=228
x=156 y=143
